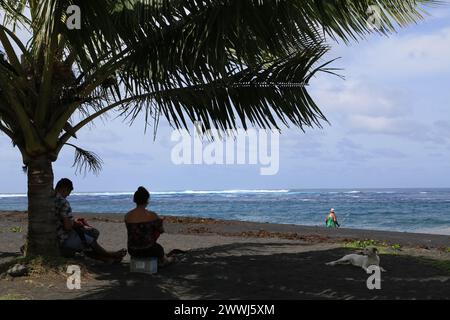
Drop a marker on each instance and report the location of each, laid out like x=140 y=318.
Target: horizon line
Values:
x=268 y=190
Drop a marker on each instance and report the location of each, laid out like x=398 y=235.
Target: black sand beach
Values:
x=242 y=260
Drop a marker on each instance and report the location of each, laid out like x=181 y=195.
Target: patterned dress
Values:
x=63 y=211
x=142 y=239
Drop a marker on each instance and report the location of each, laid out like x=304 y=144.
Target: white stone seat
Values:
x=144 y=265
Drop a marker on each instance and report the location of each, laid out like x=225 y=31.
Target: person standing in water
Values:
x=331 y=220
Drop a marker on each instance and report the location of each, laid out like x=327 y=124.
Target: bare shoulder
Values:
x=127 y=215
x=153 y=214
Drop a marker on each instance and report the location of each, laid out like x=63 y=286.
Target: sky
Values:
x=389 y=127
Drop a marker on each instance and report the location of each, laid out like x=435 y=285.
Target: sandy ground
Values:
x=241 y=260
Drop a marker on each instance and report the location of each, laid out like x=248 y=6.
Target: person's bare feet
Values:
x=119 y=255
x=116 y=257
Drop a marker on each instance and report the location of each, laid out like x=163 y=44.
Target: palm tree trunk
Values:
x=41 y=209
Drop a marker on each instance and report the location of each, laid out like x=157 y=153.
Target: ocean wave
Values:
x=306 y=192
x=220 y=191
x=19 y=195
x=351 y=192
x=112 y=194
x=98 y=194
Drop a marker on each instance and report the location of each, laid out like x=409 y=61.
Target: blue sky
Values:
x=390 y=127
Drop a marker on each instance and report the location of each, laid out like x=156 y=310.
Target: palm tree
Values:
x=225 y=63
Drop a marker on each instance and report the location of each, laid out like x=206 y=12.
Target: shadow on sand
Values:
x=247 y=271
x=4 y=255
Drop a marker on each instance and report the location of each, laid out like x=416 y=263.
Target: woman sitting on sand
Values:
x=144 y=228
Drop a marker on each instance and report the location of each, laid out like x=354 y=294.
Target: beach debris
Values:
x=16 y=229
x=193 y=220
x=280 y=235
x=191 y=230
x=19 y=270
x=261 y=233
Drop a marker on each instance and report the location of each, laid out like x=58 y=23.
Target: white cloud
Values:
x=360 y=96
x=411 y=55
x=401 y=128
x=384 y=95
x=377 y=124
x=361 y=108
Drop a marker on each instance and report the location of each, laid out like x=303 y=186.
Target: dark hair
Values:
x=141 y=196
x=64 y=183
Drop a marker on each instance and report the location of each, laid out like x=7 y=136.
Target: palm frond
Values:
x=86 y=161
x=257 y=96
x=191 y=44
x=14 y=13
x=226 y=63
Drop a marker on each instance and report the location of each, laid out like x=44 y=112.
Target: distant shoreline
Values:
x=199 y=225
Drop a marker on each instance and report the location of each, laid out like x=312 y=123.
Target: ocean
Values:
x=410 y=210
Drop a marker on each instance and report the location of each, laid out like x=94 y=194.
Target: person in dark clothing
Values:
x=74 y=235
x=144 y=228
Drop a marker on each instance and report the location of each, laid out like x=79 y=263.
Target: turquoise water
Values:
x=415 y=210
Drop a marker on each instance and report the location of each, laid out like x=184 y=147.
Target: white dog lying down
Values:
x=368 y=258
